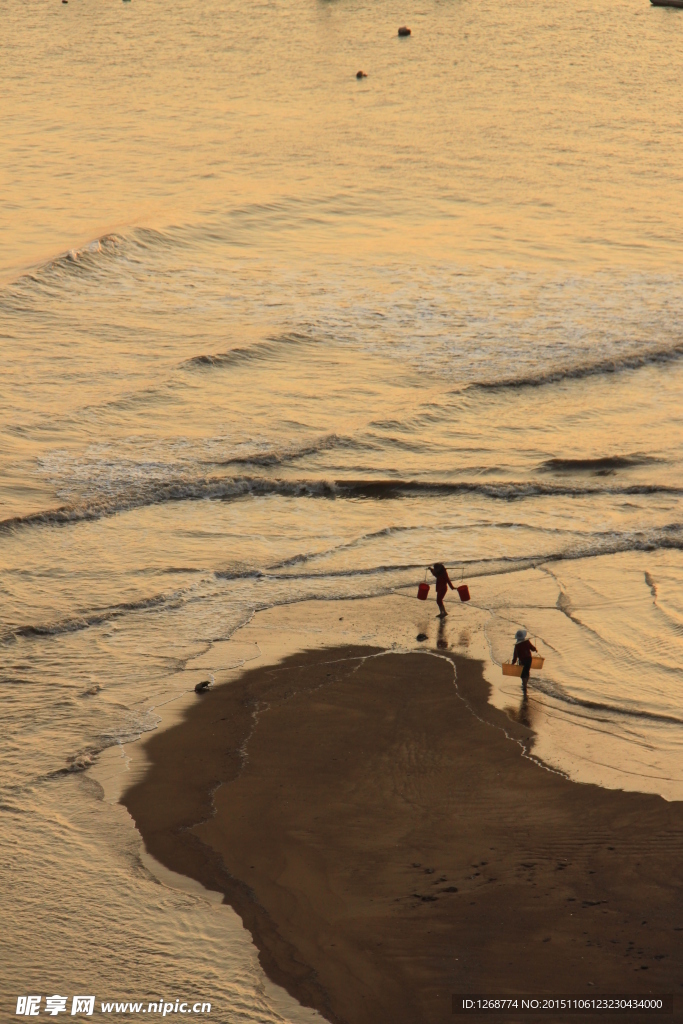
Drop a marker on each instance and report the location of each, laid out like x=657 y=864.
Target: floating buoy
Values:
x=404 y=30
x=464 y=592
x=422 y=591
x=361 y=74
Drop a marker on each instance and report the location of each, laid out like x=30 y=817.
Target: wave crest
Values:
x=601 y=465
x=91 y=617
x=260 y=351
x=140 y=494
x=614 y=364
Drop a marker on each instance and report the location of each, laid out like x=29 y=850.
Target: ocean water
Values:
x=270 y=334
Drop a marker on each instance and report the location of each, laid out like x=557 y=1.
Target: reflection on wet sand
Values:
x=442 y=640
x=522 y=714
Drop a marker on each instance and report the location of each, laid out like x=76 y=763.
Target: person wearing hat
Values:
x=523 y=649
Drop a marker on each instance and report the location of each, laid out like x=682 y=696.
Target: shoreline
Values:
x=387 y=843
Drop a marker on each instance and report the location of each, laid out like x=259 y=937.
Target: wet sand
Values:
x=387 y=843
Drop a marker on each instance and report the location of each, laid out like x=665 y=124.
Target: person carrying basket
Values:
x=522 y=653
x=443 y=582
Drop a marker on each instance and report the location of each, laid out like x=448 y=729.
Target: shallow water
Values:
x=270 y=333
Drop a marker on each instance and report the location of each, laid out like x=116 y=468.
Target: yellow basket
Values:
x=516 y=670
x=511 y=670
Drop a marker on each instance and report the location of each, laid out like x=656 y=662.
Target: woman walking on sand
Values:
x=522 y=653
x=443 y=582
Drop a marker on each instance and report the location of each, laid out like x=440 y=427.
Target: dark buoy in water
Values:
x=404 y=30
x=421 y=636
x=202 y=687
x=361 y=74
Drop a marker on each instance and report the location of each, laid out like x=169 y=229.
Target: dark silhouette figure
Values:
x=522 y=654
x=443 y=582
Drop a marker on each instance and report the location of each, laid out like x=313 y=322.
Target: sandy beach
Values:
x=389 y=841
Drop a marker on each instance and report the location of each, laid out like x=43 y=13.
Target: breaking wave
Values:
x=138 y=495
x=80 y=262
x=92 y=617
x=602 y=465
x=270 y=348
x=615 y=364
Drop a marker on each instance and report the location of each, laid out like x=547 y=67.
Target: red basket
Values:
x=464 y=592
x=422 y=591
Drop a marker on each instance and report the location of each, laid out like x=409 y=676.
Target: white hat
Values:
x=520 y=635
